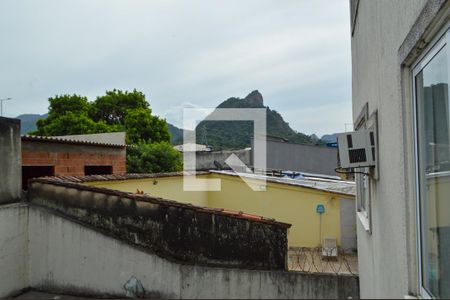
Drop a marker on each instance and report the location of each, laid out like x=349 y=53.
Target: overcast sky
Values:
x=181 y=54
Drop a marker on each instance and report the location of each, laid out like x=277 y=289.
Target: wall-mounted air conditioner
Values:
x=357 y=149
x=329 y=248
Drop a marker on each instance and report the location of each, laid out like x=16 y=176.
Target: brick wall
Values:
x=72 y=159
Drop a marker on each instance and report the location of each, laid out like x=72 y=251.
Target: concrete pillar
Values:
x=10 y=160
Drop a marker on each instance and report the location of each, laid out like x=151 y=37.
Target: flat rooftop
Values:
x=314 y=181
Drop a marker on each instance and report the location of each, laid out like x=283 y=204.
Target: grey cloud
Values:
x=297 y=53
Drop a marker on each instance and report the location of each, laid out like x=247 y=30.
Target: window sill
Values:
x=364 y=221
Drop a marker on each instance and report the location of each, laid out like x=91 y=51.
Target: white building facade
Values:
x=400 y=76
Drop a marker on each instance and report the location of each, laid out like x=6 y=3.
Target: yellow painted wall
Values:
x=170 y=188
x=285 y=203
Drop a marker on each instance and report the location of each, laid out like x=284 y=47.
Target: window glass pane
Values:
x=361 y=192
x=434 y=173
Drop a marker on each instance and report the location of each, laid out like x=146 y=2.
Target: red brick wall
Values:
x=72 y=163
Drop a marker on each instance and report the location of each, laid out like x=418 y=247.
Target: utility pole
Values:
x=1 y=105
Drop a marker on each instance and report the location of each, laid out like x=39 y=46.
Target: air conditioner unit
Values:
x=329 y=248
x=357 y=149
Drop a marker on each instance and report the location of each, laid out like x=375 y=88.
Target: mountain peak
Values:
x=237 y=135
x=255 y=98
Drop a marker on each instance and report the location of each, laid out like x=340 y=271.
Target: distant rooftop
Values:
x=309 y=180
x=191 y=147
x=113 y=139
x=319 y=182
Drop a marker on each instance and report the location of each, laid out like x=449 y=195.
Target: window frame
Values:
x=441 y=40
x=363 y=196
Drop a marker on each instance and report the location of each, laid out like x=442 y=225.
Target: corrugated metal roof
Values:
x=52 y=139
x=116 y=138
x=321 y=184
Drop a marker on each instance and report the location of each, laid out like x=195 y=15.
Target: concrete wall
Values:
x=296 y=157
x=10 y=164
x=13 y=248
x=173 y=230
x=348 y=223
x=45 y=251
x=69 y=258
x=291 y=204
x=13 y=217
x=385 y=32
x=205 y=160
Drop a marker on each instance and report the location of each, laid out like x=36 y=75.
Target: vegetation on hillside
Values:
x=176 y=135
x=151 y=135
x=28 y=122
x=238 y=134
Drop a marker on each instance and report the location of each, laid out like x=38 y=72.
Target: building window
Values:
x=363 y=187
x=363 y=199
x=362 y=178
x=432 y=128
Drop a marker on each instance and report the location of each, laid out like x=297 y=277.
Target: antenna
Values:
x=1 y=105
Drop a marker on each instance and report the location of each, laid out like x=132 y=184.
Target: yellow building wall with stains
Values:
x=170 y=188
x=285 y=203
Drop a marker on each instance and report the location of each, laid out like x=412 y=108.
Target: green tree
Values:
x=153 y=158
x=114 y=106
x=69 y=114
x=70 y=123
x=141 y=126
x=59 y=105
x=131 y=111
x=116 y=111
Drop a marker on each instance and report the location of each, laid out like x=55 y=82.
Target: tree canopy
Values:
x=115 y=111
x=112 y=112
x=114 y=107
x=154 y=158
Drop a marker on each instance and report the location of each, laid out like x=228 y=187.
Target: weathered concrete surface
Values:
x=35 y=295
x=45 y=251
x=10 y=162
x=181 y=232
x=13 y=248
x=67 y=257
x=205 y=160
x=348 y=223
x=384 y=34
x=296 y=157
